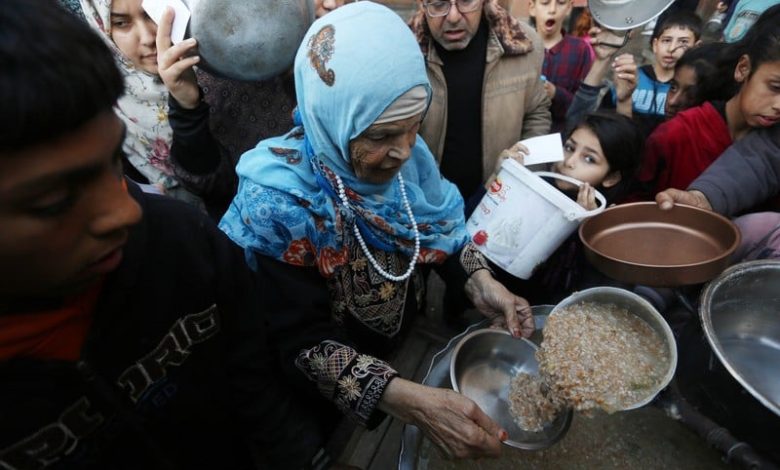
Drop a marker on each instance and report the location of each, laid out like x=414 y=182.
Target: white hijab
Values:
x=144 y=110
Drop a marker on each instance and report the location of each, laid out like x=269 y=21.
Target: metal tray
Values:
x=639 y=243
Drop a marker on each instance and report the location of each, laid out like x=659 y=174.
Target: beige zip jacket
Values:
x=514 y=103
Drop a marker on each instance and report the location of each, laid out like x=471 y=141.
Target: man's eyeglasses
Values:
x=442 y=7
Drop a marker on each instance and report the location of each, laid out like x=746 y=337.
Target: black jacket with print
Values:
x=176 y=372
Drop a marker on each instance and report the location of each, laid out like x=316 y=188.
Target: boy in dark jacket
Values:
x=131 y=333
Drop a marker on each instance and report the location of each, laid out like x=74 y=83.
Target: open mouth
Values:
x=453 y=34
x=549 y=23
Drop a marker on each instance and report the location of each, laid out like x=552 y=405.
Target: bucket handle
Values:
x=599 y=197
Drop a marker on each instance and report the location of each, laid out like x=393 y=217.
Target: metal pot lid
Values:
x=250 y=40
x=741 y=320
x=620 y=15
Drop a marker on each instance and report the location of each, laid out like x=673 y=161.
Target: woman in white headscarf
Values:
x=168 y=145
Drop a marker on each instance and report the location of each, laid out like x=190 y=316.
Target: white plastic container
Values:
x=522 y=219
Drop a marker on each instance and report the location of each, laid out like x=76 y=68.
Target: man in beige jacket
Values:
x=484 y=67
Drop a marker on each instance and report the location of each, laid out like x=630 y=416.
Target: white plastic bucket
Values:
x=522 y=219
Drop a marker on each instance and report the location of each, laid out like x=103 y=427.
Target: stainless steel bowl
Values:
x=482 y=366
x=740 y=314
x=641 y=308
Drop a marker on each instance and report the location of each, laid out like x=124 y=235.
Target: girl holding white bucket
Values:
x=523 y=217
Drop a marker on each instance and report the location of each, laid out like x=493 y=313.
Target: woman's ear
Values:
x=742 y=70
x=612 y=179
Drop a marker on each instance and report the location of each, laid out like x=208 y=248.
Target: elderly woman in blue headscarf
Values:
x=344 y=213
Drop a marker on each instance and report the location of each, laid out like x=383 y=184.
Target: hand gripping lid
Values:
x=249 y=40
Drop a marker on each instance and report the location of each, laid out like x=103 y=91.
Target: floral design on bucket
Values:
x=321 y=48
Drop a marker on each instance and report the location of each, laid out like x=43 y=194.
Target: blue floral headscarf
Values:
x=352 y=64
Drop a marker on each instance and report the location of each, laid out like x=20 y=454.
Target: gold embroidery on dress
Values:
x=356 y=289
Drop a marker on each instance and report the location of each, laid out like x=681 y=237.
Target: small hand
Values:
x=496 y=302
x=625 y=75
x=605 y=42
x=549 y=88
x=516 y=152
x=668 y=198
x=586 y=197
x=175 y=66
x=454 y=423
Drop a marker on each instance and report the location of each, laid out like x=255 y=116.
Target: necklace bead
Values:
x=408 y=208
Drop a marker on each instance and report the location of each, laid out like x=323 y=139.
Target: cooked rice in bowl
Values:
x=601 y=356
x=593 y=356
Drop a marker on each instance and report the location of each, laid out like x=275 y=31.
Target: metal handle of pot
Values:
x=599 y=197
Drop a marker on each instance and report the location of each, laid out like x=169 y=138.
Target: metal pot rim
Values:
x=709 y=329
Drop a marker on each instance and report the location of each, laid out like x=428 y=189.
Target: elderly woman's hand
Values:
x=175 y=65
x=495 y=301
x=451 y=421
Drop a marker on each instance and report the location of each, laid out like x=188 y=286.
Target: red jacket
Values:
x=680 y=149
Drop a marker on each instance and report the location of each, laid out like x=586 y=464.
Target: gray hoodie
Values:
x=746 y=174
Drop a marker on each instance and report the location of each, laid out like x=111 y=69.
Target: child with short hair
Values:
x=132 y=333
x=672 y=36
x=567 y=58
x=683 y=147
x=692 y=75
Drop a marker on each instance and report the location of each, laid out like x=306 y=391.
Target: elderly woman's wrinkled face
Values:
x=379 y=152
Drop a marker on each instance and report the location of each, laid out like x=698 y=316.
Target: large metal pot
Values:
x=740 y=315
x=249 y=40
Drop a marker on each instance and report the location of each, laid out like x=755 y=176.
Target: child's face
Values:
x=65 y=212
x=680 y=96
x=759 y=97
x=584 y=160
x=134 y=32
x=549 y=15
x=671 y=45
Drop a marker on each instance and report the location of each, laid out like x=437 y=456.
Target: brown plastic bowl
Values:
x=639 y=243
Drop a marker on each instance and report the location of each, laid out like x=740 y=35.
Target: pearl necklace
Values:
x=364 y=248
